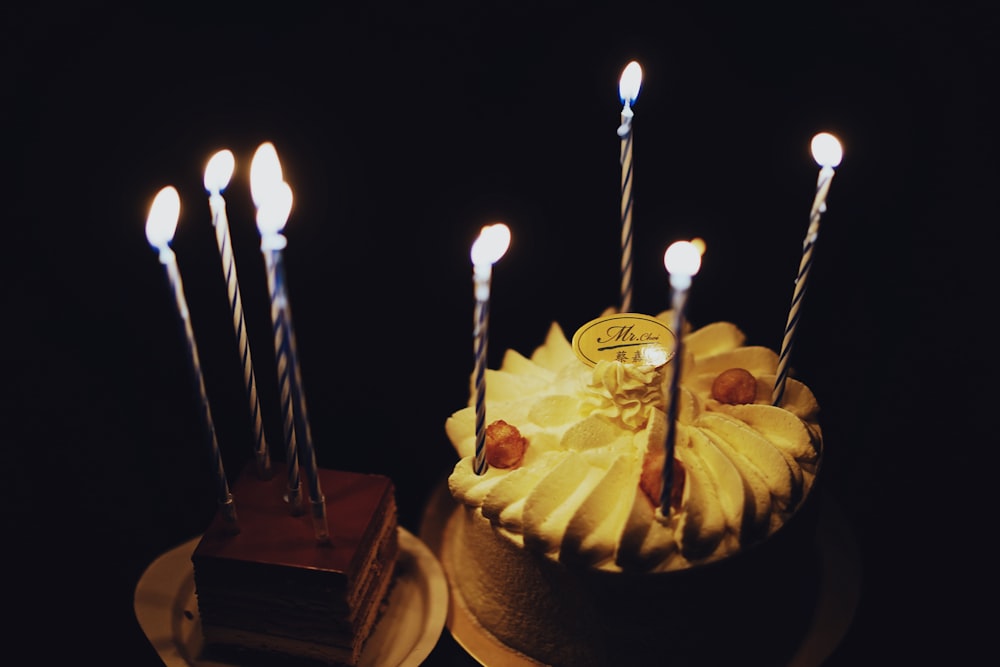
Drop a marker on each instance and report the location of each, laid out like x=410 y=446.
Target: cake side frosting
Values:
x=760 y=601
x=586 y=489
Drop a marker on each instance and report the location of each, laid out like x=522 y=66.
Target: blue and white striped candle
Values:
x=265 y=170
x=628 y=91
x=682 y=260
x=217 y=174
x=160 y=226
x=828 y=153
x=487 y=249
x=273 y=199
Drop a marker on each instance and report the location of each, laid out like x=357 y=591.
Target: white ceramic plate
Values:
x=167 y=609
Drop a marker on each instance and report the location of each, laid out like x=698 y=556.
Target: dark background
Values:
x=402 y=130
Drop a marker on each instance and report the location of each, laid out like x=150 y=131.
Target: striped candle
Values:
x=160 y=227
x=827 y=152
x=265 y=169
x=480 y=328
x=487 y=249
x=682 y=260
x=272 y=260
x=273 y=198
x=217 y=174
x=628 y=91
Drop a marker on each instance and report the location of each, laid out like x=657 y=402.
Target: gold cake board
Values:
x=839 y=591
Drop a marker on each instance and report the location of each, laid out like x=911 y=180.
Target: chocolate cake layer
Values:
x=272 y=588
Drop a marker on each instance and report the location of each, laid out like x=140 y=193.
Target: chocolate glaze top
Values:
x=357 y=505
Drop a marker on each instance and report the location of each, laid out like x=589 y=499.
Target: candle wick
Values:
x=482 y=277
x=167 y=255
x=626 y=127
x=216 y=203
x=274 y=241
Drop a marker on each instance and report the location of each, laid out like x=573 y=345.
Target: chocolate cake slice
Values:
x=271 y=592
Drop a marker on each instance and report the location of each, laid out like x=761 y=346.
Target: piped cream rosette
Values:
x=576 y=494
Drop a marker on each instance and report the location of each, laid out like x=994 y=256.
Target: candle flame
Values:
x=683 y=258
x=491 y=245
x=699 y=243
x=655 y=355
x=161 y=223
x=265 y=172
x=628 y=85
x=219 y=170
x=273 y=208
x=826 y=150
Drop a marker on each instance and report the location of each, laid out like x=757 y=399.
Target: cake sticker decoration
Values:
x=828 y=153
x=682 y=260
x=218 y=172
x=160 y=227
x=273 y=199
x=629 y=338
x=628 y=91
x=487 y=250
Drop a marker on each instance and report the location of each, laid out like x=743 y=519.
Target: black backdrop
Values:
x=401 y=131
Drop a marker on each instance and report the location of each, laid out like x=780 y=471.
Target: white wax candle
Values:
x=273 y=198
x=487 y=249
x=628 y=92
x=218 y=172
x=160 y=227
x=682 y=260
x=827 y=152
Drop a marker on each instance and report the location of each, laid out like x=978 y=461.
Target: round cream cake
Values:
x=561 y=549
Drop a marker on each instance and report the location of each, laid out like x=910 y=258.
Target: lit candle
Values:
x=217 y=174
x=265 y=169
x=682 y=260
x=628 y=91
x=491 y=245
x=828 y=153
x=273 y=199
x=160 y=226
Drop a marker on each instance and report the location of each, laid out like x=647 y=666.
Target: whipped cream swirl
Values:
x=576 y=495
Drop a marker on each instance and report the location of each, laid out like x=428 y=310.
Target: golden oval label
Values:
x=626 y=337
